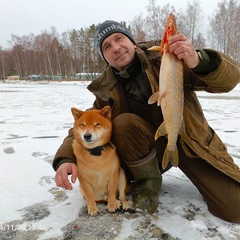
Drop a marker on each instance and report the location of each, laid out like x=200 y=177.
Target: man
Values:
x=126 y=85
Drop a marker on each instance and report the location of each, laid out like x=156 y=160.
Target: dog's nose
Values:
x=87 y=136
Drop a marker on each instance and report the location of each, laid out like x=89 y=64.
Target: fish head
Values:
x=169 y=31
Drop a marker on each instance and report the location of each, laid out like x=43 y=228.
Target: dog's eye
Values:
x=82 y=124
x=97 y=124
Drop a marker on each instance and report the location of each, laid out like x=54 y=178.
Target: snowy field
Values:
x=34 y=119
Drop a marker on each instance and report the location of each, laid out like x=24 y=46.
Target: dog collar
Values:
x=97 y=151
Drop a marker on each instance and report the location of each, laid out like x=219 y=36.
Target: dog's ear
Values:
x=106 y=112
x=76 y=113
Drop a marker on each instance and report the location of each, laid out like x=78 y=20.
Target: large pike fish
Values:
x=170 y=94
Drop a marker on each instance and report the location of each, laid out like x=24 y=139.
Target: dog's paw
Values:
x=126 y=205
x=92 y=210
x=114 y=205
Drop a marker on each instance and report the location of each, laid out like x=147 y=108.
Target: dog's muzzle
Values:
x=87 y=137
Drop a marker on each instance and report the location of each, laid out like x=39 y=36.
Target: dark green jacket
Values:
x=207 y=145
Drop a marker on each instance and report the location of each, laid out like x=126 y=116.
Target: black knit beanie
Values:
x=107 y=28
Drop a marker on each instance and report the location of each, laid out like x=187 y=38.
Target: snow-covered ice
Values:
x=34 y=119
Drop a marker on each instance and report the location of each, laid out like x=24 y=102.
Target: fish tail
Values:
x=170 y=156
x=161 y=131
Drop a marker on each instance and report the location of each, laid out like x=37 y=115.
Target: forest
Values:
x=67 y=55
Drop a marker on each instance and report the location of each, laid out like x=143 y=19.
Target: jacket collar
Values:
x=103 y=85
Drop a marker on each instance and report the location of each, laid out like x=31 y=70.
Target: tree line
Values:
x=52 y=54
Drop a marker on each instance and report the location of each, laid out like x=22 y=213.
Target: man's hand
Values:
x=181 y=46
x=61 y=176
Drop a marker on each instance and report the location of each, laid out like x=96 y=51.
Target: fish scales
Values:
x=170 y=95
x=171 y=86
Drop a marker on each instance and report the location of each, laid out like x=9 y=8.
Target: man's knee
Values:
x=230 y=211
x=132 y=136
x=129 y=121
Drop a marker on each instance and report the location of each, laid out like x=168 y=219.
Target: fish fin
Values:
x=155 y=48
x=154 y=98
x=161 y=131
x=170 y=157
x=161 y=98
x=159 y=48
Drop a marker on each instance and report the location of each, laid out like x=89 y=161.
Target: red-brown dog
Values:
x=99 y=171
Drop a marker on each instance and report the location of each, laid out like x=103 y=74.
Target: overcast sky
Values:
x=22 y=17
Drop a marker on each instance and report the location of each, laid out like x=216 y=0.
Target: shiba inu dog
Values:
x=99 y=171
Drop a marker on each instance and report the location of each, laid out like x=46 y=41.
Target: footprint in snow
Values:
x=59 y=194
x=46 y=180
x=9 y=150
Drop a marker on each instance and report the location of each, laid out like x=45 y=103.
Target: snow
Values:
x=34 y=119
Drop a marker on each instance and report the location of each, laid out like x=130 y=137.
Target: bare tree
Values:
x=224 y=29
x=156 y=19
x=2 y=65
x=138 y=25
x=66 y=59
x=190 y=23
x=66 y=54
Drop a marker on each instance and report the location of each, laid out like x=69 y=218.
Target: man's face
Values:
x=118 y=50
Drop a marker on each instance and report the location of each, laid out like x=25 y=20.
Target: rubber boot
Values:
x=148 y=183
